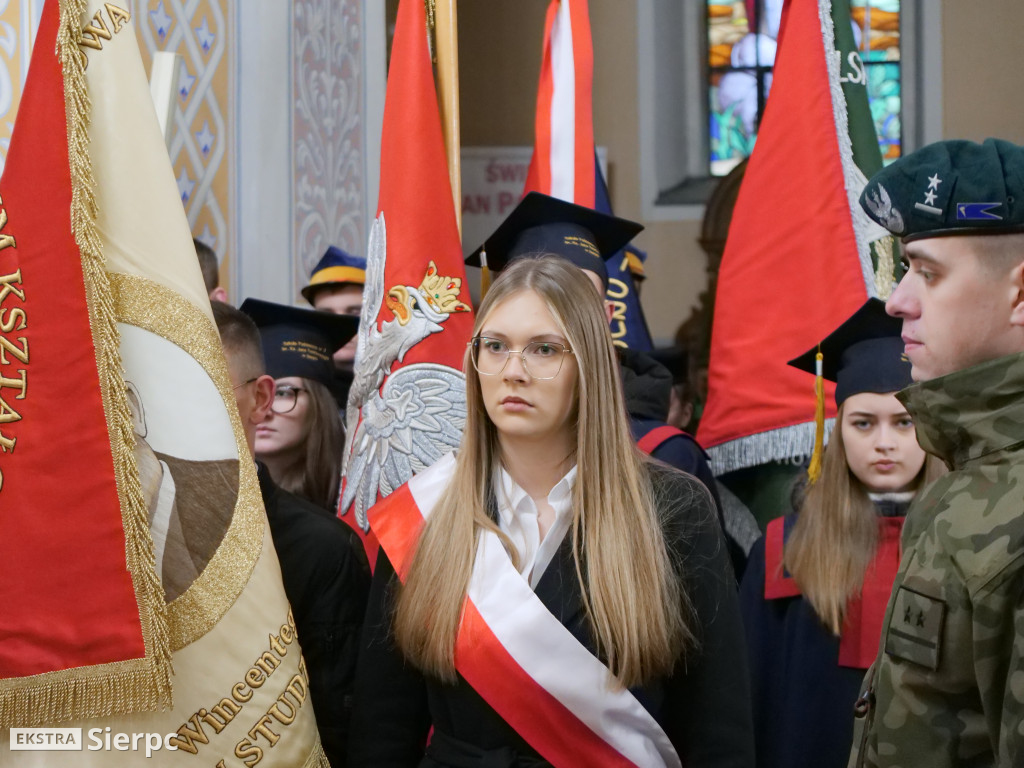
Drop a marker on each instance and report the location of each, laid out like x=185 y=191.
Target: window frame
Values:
x=672 y=98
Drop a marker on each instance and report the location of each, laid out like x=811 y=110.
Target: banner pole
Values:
x=446 y=34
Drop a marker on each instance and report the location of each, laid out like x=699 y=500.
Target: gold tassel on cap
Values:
x=814 y=470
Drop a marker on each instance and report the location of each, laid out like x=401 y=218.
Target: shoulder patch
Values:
x=915 y=628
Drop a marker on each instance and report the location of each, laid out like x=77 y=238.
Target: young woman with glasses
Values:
x=301 y=440
x=566 y=601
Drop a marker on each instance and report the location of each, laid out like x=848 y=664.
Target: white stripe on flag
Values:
x=545 y=649
x=563 y=107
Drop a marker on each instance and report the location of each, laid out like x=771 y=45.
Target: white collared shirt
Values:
x=517 y=517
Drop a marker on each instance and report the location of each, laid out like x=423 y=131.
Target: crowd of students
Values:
x=557 y=596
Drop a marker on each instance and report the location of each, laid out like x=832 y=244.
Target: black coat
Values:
x=647 y=385
x=703 y=706
x=327 y=580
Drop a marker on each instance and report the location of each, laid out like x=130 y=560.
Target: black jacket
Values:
x=646 y=385
x=327 y=579
x=703 y=706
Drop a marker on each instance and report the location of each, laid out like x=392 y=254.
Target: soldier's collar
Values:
x=970 y=414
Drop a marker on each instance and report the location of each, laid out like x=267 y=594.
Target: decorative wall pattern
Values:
x=203 y=123
x=329 y=187
x=18 y=24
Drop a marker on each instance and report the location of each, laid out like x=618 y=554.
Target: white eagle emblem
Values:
x=420 y=413
x=881 y=206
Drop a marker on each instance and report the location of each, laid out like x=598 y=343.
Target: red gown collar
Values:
x=865 y=613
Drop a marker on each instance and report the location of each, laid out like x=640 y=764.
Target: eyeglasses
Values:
x=541 y=359
x=285 y=398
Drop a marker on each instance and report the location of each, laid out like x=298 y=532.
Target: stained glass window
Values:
x=741 y=42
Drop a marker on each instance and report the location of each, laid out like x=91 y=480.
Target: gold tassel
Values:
x=814 y=470
x=485 y=281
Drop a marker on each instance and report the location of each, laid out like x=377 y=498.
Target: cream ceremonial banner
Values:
x=239 y=687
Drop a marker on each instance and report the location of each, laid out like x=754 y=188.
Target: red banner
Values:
x=791 y=270
x=67 y=598
x=407 y=402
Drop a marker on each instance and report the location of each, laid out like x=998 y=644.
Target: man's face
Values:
x=344 y=299
x=956 y=309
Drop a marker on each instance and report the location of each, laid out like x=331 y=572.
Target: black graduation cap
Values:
x=545 y=224
x=300 y=342
x=864 y=354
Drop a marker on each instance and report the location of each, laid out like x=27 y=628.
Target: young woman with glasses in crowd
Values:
x=302 y=439
x=567 y=601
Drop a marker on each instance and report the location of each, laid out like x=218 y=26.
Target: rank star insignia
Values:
x=930 y=196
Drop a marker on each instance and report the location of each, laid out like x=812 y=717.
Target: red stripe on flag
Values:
x=583 y=58
x=67 y=596
x=539 y=176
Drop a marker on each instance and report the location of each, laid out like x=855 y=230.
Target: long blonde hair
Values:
x=836 y=533
x=631 y=590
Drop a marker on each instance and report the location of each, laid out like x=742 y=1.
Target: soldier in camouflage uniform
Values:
x=947 y=686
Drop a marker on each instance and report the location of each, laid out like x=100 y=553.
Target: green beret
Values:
x=950 y=188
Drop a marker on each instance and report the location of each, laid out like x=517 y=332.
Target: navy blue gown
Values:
x=802 y=695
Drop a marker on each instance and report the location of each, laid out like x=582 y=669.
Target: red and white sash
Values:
x=551 y=689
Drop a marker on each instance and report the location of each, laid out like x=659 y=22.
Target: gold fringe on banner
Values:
x=138 y=684
x=154 y=685
x=317 y=758
x=885 y=276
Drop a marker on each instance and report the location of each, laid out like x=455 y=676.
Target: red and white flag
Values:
x=407 y=404
x=563 y=155
x=564 y=164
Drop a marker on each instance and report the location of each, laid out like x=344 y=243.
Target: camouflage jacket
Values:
x=947 y=686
